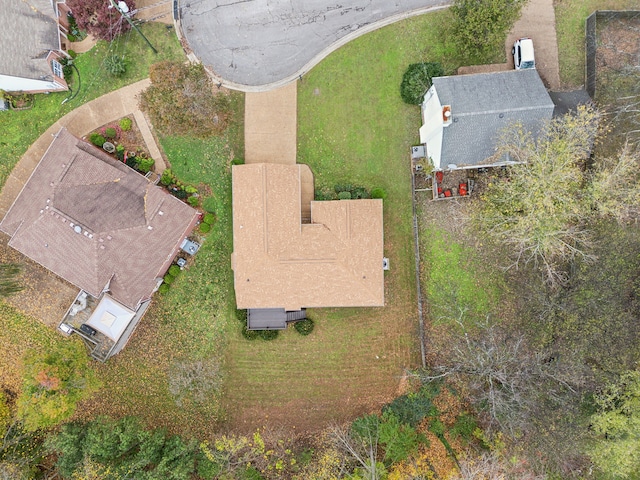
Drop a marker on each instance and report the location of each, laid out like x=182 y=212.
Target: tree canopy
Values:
x=181 y=101
x=100 y=18
x=617 y=426
x=542 y=207
x=480 y=26
x=54 y=382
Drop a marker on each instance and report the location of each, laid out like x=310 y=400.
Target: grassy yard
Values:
x=570 y=19
x=21 y=128
x=352 y=128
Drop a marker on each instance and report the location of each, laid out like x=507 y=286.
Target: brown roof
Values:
x=94 y=221
x=279 y=262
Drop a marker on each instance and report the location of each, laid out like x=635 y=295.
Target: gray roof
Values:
x=484 y=104
x=28 y=31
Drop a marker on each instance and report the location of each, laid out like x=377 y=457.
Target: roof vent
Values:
x=446 y=115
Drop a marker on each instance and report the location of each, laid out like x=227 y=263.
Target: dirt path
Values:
x=270 y=123
x=538 y=22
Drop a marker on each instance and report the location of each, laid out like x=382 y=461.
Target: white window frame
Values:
x=56 y=66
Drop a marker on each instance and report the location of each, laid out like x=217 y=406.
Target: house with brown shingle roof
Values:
x=291 y=252
x=103 y=227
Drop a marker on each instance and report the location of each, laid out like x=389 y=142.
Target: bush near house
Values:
x=97 y=139
x=417 y=80
x=304 y=327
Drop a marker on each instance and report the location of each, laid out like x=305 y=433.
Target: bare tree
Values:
x=539 y=209
x=503 y=376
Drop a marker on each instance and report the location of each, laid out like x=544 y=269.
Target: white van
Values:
x=523 y=56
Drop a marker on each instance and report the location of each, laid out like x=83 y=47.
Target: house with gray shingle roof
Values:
x=102 y=227
x=463 y=115
x=30 y=47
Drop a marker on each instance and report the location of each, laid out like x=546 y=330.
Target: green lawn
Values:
x=21 y=128
x=570 y=18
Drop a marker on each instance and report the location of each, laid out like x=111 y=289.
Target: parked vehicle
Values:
x=523 y=56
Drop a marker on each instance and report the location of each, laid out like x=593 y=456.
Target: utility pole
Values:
x=126 y=17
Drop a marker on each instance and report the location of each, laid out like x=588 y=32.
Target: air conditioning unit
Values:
x=418 y=151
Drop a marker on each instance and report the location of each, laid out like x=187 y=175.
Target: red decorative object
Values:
x=447 y=193
x=462 y=189
x=439 y=190
x=439 y=176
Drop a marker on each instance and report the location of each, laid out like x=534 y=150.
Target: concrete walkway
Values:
x=270 y=123
x=80 y=122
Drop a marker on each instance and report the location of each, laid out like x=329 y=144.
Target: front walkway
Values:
x=80 y=122
x=270 y=123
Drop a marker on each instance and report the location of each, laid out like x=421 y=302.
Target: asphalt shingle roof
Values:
x=28 y=31
x=95 y=222
x=482 y=105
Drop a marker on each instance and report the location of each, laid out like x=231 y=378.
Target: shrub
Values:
x=378 y=193
x=132 y=161
x=304 y=327
x=120 y=152
x=167 y=177
x=347 y=187
x=193 y=201
x=268 y=334
x=249 y=334
x=97 y=139
x=125 y=124
x=115 y=65
x=179 y=193
x=359 y=192
x=190 y=190
x=205 y=228
x=110 y=133
x=164 y=288
x=237 y=161
x=209 y=218
x=174 y=270
x=66 y=63
x=344 y=196
x=417 y=80
x=242 y=316
x=168 y=279
x=145 y=164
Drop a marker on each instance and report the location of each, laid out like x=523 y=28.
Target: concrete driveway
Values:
x=255 y=45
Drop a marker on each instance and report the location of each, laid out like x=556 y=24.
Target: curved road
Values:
x=255 y=45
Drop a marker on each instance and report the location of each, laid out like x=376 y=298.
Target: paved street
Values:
x=261 y=44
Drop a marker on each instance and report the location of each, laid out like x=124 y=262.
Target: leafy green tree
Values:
x=617 y=426
x=53 y=383
x=399 y=439
x=8 y=283
x=480 y=26
x=416 y=81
